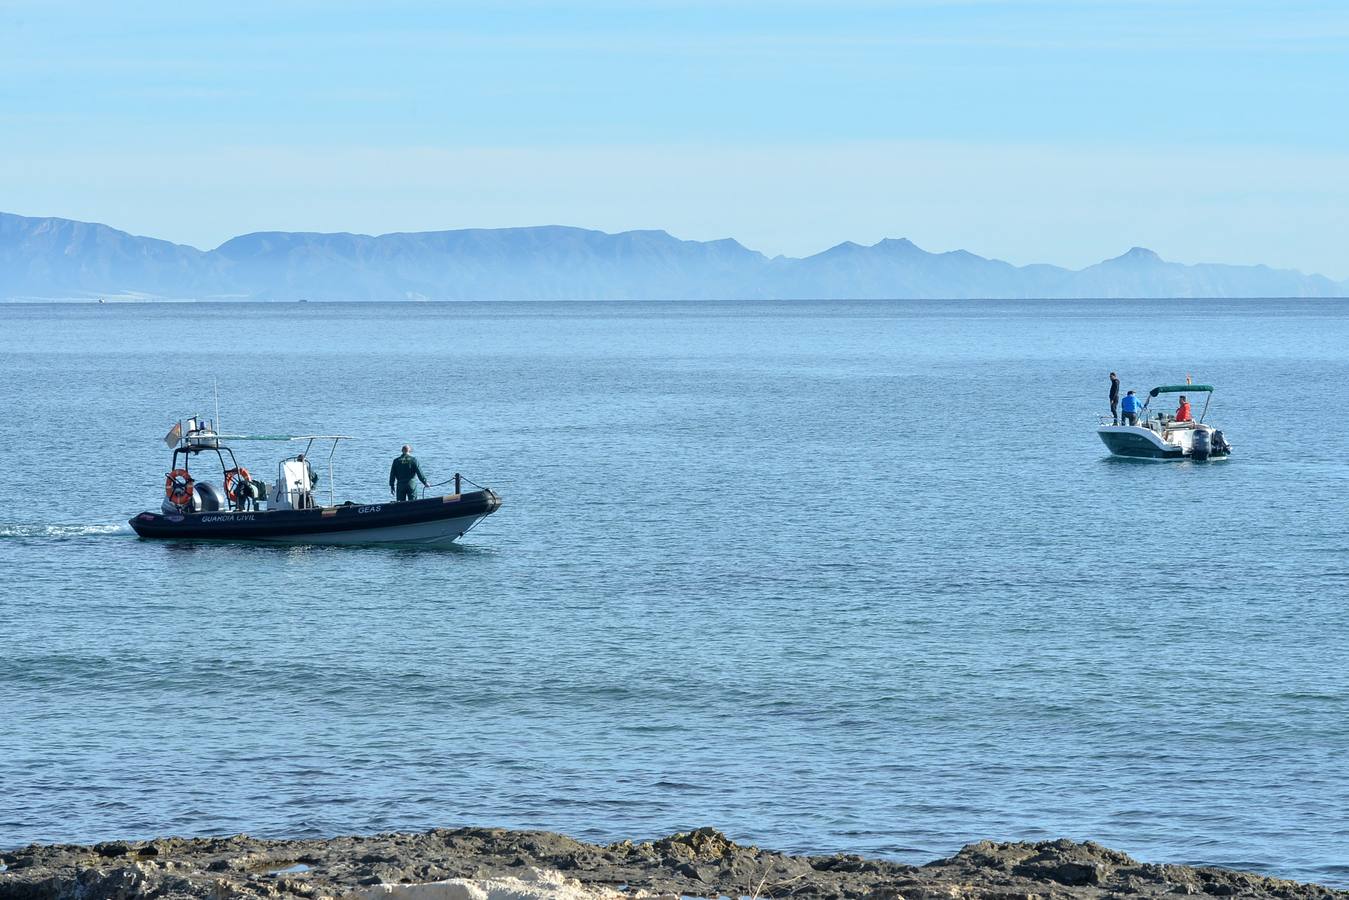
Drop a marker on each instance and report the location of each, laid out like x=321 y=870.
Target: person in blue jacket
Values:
x=1129 y=409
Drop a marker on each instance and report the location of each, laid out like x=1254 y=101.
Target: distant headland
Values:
x=52 y=258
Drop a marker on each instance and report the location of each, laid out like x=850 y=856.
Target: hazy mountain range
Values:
x=60 y=258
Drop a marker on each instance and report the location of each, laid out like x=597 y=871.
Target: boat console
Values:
x=294 y=487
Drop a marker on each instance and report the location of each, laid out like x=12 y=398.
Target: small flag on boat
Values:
x=175 y=434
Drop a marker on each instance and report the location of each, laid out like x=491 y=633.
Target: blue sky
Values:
x=1062 y=132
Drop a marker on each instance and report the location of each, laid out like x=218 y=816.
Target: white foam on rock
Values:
x=536 y=884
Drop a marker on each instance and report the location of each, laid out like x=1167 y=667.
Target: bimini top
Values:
x=1181 y=389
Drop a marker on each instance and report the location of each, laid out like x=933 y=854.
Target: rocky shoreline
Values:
x=495 y=864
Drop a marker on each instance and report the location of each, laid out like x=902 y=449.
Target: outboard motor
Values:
x=1201 y=446
x=208 y=498
x=1220 y=445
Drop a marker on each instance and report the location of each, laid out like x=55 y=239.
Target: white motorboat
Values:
x=1159 y=435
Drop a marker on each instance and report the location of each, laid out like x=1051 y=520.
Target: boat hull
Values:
x=431 y=521
x=1136 y=442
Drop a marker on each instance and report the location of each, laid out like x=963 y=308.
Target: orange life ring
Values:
x=235 y=479
x=178 y=487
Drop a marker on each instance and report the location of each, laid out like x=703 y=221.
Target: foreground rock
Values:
x=479 y=864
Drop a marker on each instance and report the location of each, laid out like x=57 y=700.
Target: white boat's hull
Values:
x=1137 y=442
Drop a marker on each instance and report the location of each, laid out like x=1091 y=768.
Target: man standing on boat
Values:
x=1131 y=408
x=401 y=473
x=1114 y=397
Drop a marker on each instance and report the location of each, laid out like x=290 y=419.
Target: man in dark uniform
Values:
x=1114 y=397
x=401 y=473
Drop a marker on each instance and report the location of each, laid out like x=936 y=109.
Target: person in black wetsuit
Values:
x=1114 y=397
x=401 y=473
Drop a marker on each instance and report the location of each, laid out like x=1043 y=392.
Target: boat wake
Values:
x=63 y=532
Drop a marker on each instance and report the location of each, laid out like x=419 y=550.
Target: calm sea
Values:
x=829 y=576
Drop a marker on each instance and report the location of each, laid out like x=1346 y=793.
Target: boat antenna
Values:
x=215 y=383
